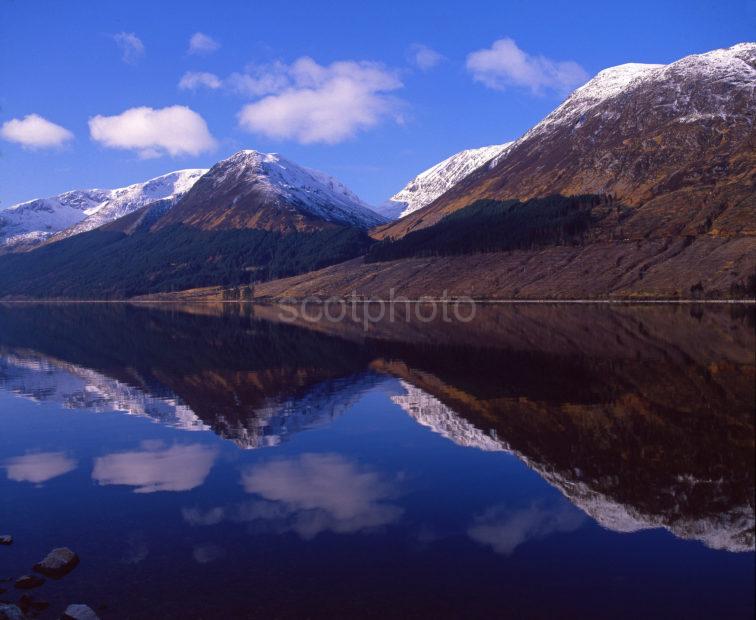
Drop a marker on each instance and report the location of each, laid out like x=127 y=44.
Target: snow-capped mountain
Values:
x=430 y=184
x=675 y=140
x=29 y=223
x=264 y=190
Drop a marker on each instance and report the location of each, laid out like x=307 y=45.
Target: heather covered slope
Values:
x=605 y=270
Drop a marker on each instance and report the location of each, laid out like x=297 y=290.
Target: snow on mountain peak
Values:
x=735 y=65
x=78 y=211
x=313 y=191
x=430 y=184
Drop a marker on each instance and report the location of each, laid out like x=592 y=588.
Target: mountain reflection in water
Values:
x=641 y=416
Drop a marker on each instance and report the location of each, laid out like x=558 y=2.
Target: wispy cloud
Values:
x=424 y=57
x=504 y=65
x=260 y=80
x=201 y=43
x=313 y=103
x=193 y=80
x=504 y=530
x=35 y=132
x=132 y=48
x=175 y=130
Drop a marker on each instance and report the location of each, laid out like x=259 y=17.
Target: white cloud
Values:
x=192 y=80
x=132 y=48
x=34 y=132
x=504 y=64
x=505 y=530
x=176 y=130
x=315 y=103
x=38 y=467
x=200 y=43
x=178 y=468
x=423 y=57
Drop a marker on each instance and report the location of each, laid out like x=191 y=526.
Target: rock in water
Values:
x=79 y=612
x=27 y=582
x=6 y=539
x=10 y=612
x=59 y=562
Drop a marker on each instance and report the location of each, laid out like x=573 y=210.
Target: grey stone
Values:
x=79 y=612
x=10 y=612
x=59 y=562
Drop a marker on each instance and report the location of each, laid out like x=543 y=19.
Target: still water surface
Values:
x=540 y=461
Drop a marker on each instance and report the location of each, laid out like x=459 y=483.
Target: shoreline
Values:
x=427 y=300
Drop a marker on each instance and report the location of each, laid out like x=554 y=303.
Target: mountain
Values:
x=266 y=191
x=251 y=217
x=30 y=223
x=642 y=184
x=433 y=182
x=675 y=142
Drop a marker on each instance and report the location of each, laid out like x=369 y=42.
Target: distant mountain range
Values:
x=30 y=223
x=641 y=184
x=251 y=181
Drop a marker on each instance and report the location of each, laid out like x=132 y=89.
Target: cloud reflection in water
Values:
x=156 y=468
x=309 y=494
x=38 y=467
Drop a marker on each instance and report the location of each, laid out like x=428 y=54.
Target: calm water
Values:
x=540 y=461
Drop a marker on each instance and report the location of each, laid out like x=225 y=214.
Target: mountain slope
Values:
x=676 y=142
x=433 y=182
x=266 y=191
x=29 y=223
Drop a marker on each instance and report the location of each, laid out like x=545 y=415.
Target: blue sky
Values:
x=385 y=89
